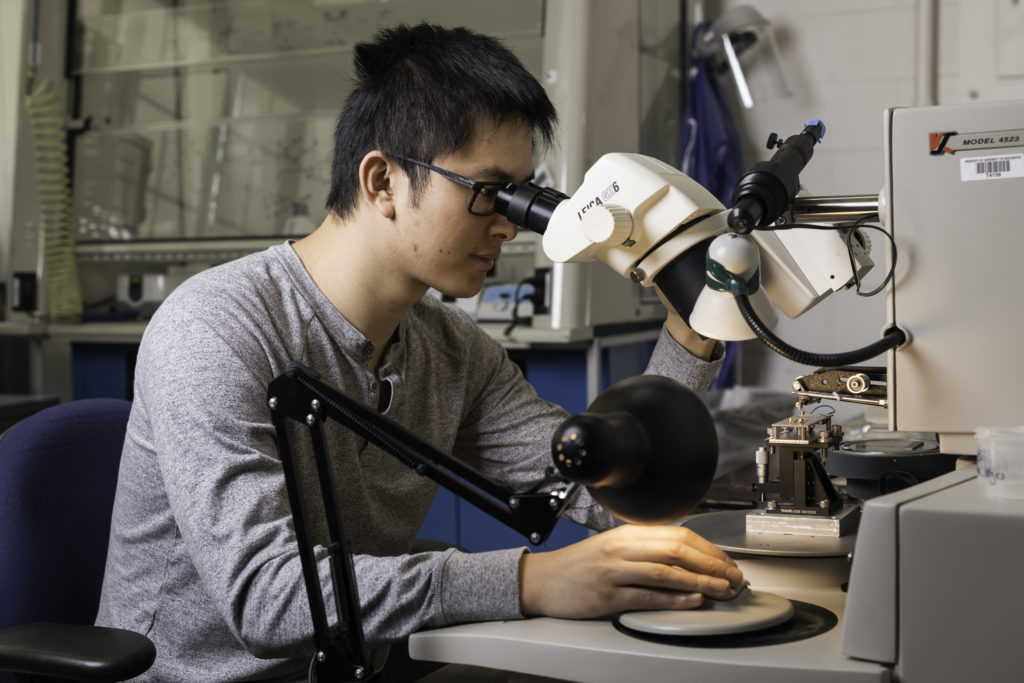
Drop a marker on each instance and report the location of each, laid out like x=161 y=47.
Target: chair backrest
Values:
x=58 y=474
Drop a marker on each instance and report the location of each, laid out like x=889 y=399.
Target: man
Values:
x=203 y=557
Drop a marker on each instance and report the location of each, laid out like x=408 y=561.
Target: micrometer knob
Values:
x=859 y=383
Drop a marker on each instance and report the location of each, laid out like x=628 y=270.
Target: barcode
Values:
x=992 y=166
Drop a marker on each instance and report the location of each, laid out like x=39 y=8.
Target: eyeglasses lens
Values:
x=484 y=195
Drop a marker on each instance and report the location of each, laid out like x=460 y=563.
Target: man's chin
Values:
x=460 y=295
x=462 y=291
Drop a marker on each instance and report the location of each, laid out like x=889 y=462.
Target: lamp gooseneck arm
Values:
x=890 y=340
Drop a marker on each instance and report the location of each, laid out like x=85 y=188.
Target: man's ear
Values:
x=377 y=175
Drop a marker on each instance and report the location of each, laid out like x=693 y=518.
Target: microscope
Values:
x=656 y=226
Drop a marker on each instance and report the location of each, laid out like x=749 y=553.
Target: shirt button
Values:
x=368 y=349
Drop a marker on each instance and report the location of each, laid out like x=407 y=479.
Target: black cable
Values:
x=851 y=229
x=516 y=320
x=892 y=253
x=890 y=340
x=311 y=675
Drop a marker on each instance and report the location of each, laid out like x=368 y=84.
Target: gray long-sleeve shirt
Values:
x=203 y=557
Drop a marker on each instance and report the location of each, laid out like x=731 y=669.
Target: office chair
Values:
x=58 y=473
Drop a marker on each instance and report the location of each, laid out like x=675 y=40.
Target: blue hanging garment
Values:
x=709 y=143
x=710 y=154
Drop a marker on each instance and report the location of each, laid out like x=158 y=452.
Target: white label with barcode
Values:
x=988 y=168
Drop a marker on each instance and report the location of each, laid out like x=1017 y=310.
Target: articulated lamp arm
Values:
x=646 y=449
x=299 y=397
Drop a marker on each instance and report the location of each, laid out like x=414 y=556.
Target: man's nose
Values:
x=503 y=228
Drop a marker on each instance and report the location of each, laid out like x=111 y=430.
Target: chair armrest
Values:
x=75 y=651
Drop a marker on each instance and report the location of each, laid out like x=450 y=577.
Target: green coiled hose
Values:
x=51 y=153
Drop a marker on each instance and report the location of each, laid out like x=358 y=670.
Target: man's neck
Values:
x=357 y=280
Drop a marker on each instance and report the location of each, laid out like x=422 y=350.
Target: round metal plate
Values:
x=750 y=611
x=808 y=621
x=728 y=530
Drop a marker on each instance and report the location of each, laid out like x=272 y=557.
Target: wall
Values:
x=845 y=63
x=11 y=51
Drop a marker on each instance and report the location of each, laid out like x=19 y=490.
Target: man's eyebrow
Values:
x=499 y=174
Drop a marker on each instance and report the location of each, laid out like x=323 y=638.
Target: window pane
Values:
x=212 y=119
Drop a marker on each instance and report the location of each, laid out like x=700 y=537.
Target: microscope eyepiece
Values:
x=529 y=206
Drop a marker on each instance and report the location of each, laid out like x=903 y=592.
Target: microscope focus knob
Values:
x=607 y=224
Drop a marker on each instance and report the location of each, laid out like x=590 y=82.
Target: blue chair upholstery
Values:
x=58 y=474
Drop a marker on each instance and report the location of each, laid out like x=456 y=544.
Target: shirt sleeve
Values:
x=209 y=429
x=671 y=359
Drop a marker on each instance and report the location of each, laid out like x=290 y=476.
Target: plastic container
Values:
x=1001 y=461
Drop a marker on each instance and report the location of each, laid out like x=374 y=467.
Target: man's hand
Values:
x=705 y=349
x=626 y=568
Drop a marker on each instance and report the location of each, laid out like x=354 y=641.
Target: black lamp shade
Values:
x=646 y=448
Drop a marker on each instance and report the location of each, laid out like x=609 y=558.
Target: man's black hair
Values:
x=420 y=92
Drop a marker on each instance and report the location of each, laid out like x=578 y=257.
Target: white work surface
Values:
x=595 y=652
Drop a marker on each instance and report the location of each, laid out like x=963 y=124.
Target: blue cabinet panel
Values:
x=103 y=370
x=559 y=376
x=442 y=521
x=621 y=362
x=479 y=532
x=455 y=521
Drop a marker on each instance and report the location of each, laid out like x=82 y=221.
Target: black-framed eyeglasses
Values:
x=484 y=193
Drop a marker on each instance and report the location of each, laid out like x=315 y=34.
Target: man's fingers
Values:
x=680 y=537
x=634 y=598
x=678 y=547
x=670 y=578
